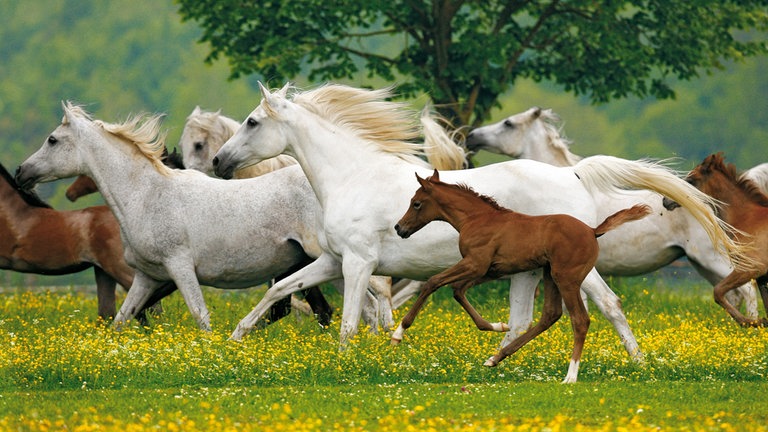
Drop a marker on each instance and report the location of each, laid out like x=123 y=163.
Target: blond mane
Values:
x=391 y=126
x=553 y=127
x=141 y=130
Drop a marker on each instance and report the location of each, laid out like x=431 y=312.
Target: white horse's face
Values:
x=510 y=136
x=59 y=157
x=197 y=148
x=261 y=136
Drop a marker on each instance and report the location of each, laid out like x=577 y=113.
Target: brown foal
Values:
x=495 y=242
x=746 y=209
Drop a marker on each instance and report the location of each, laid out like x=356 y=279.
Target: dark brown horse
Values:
x=34 y=238
x=495 y=242
x=746 y=209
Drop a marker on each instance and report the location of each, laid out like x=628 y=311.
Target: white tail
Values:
x=439 y=146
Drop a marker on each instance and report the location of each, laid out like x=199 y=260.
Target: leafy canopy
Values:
x=464 y=54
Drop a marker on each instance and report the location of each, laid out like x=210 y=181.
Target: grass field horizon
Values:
x=60 y=368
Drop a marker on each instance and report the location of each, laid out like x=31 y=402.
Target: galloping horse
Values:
x=357 y=150
x=746 y=209
x=34 y=238
x=205 y=132
x=640 y=248
x=495 y=241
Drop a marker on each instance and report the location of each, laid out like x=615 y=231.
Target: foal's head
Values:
x=423 y=208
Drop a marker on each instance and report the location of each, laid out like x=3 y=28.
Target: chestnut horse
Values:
x=34 y=238
x=495 y=241
x=746 y=209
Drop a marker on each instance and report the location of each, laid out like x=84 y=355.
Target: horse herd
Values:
x=339 y=206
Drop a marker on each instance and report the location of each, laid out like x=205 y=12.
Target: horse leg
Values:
x=183 y=274
x=325 y=268
x=459 y=294
x=381 y=286
x=105 y=293
x=317 y=302
x=579 y=324
x=609 y=305
x=714 y=268
x=731 y=282
x=522 y=288
x=141 y=290
x=762 y=285
x=357 y=272
x=370 y=312
x=551 y=312
x=403 y=290
x=464 y=270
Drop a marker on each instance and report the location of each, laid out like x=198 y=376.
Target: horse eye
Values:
x=199 y=145
x=52 y=140
x=251 y=122
x=508 y=123
x=417 y=205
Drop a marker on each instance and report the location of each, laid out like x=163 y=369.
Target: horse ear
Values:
x=423 y=182
x=536 y=112
x=284 y=91
x=197 y=110
x=435 y=176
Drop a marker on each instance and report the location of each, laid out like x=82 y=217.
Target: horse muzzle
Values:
x=25 y=177
x=222 y=168
x=403 y=233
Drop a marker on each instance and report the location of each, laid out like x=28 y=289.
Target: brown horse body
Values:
x=34 y=238
x=746 y=209
x=495 y=242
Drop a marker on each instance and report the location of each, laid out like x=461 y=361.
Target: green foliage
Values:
x=466 y=54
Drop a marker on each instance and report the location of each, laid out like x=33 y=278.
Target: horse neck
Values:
x=737 y=201
x=457 y=206
x=333 y=159
x=123 y=176
x=11 y=203
x=550 y=151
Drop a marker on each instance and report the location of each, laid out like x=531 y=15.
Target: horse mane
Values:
x=391 y=126
x=29 y=196
x=214 y=123
x=553 y=128
x=749 y=187
x=141 y=130
x=466 y=188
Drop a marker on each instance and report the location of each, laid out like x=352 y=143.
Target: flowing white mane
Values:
x=553 y=128
x=141 y=130
x=391 y=126
x=214 y=124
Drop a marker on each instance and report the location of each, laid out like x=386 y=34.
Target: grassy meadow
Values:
x=62 y=369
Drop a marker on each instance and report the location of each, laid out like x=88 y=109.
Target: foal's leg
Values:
x=464 y=270
x=731 y=282
x=551 y=312
x=459 y=294
x=579 y=323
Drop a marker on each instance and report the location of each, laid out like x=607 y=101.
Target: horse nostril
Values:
x=397 y=227
x=215 y=161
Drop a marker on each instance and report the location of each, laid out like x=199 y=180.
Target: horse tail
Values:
x=613 y=175
x=638 y=211
x=440 y=147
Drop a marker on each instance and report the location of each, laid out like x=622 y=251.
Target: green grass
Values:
x=60 y=368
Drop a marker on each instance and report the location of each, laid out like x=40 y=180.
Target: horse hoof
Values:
x=393 y=341
x=490 y=362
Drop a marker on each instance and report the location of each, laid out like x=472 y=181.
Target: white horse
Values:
x=355 y=149
x=759 y=175
x=636 y=249
x=205 y=132
x=183 y=225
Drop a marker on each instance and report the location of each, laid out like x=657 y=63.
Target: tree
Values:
x=464 y=54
